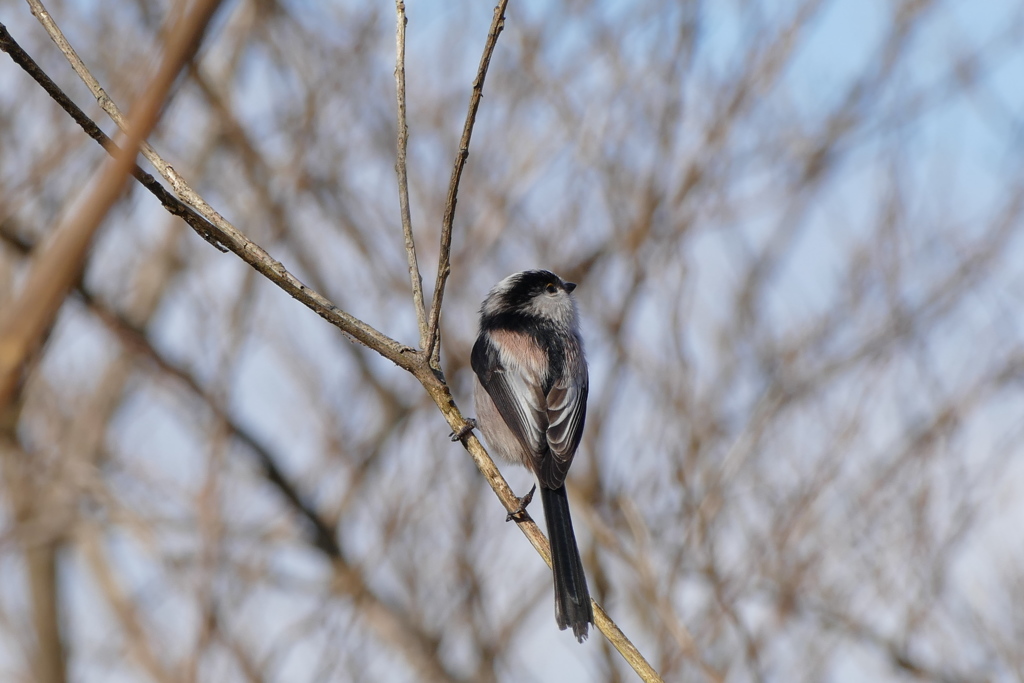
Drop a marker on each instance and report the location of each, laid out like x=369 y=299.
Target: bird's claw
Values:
x=518 y=513
x=464 y=431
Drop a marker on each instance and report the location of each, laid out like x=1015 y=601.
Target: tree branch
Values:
x=442 y=397
x=173 y=205
x=401 y=168
x=444 y=258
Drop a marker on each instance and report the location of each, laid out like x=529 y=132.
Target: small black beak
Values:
x=569 y=286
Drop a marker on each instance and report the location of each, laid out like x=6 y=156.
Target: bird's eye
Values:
x=551 y=289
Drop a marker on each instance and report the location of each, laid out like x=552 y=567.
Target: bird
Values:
x=530 y=395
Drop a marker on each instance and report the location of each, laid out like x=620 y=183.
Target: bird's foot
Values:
x=464 y=431
x=520 y=511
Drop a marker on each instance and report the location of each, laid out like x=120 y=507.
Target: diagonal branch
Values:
x=401 y=168
x=444 y=401
x=173 y=205
x=217 y=229
x=444 y=258
x=110 y=107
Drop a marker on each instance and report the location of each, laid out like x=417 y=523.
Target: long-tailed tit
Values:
x=531 y=403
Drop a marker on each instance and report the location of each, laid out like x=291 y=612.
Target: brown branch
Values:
x=444 y=257
x=106 y=103
x=401 y=168
x=41 y=564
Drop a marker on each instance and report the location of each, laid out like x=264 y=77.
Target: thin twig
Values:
x=444 y=258
x=439 y=390
x=403 y=178
x=106 y=104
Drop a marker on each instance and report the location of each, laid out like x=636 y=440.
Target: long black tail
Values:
x=572 y=599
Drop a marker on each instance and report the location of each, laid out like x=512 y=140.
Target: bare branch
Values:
x=401 y=168
x=444 y=401
x=173 y=205
x=444 y=258
x=41 y=561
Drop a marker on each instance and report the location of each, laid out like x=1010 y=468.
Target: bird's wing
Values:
x=566 y=414
x=515 y=387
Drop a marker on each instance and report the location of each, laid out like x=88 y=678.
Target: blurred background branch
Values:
x=28 y=316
